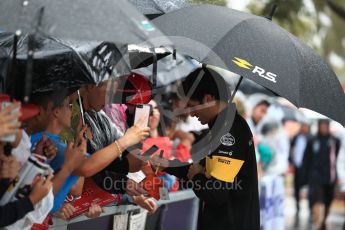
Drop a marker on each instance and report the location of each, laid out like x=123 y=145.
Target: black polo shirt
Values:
x=228 y=190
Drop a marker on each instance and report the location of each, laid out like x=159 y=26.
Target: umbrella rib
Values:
x=302 y=59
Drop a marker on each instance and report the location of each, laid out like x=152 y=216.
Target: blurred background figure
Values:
x=341 y=170
x=256 y=115
x=320 y=165
x=298 y=147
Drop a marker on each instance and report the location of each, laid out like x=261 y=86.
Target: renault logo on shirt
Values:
x=227 y=139
x=244 y=64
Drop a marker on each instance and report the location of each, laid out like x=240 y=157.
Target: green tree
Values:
x=320 y=23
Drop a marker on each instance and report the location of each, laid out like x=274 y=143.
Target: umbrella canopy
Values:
x=101 y=20
x=257 y=49
x=169 y=70
x=155 y=8
x=140 y=57
x=61 y=64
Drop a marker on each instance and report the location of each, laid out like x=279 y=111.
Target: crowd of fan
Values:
x=99 y=150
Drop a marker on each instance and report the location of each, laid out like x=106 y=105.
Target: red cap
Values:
x=138 y=88
x=28 y=111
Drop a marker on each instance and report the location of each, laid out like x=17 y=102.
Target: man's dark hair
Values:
x=323 y=121
x=263 y=102
x=43 y=98
x=206 y=85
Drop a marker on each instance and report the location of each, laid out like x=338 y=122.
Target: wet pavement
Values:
x=334 y=221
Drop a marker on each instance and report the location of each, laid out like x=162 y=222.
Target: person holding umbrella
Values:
x=225 y=180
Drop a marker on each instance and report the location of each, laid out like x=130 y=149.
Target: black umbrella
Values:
x=59 y=64
x=249 y=87
x=257 y=49
x=154 y=8
x=143 y=57
x=101 y=20
x=169 y=70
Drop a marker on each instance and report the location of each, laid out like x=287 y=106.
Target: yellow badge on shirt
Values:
x=223 y=168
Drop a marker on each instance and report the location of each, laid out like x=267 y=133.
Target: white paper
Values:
x=120 y=222
x=137 y=221
x=164 y=193
x=137 y=176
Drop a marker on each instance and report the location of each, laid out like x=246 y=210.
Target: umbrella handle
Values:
x=30 y=59
x=11 y=74
x=273 y=9
x=174 y=54
x=29 y=68
x=236 y=89
x=174 y=57
x=154 y=68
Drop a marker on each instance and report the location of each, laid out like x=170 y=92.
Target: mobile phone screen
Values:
x=142 y=111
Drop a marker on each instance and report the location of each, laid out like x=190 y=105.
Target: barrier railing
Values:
x=106 y=219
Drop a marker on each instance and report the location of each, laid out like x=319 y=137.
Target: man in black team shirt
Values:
x=225 y=180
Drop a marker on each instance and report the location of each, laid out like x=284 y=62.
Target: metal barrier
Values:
x=173 y=213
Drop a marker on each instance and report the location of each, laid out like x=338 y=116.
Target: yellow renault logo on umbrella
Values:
x=242 y=63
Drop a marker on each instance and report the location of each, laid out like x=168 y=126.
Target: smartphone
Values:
x=142 y=111
x=81 y=108
x=11 y=137
x=150 y=151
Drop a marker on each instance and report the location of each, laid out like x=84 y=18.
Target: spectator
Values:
x=59 y=119
x=257 y=114
x=341 y=168
x=273 y=136
x=320 y=165
x=181 y=141
x=16 y=210
x=117 y=114
x=298 y=147
x=106 y=140
x=186 y=122
x=74 y=154
x=67 y=211
x=154 y=119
